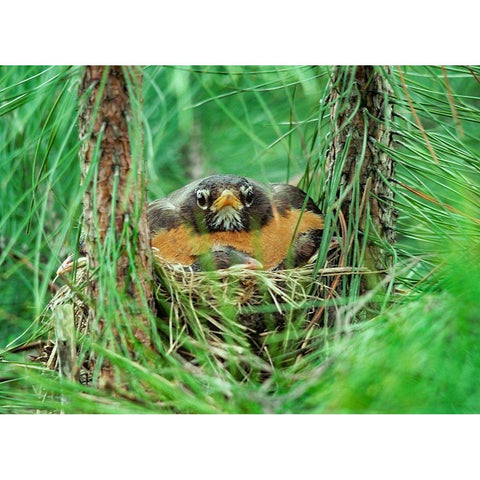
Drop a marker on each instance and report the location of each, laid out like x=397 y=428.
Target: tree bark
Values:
x=361 y=116
x=114 y=203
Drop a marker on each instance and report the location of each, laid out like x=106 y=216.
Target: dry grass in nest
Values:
x=248 y=307
x=235 y=310
x=71 y=293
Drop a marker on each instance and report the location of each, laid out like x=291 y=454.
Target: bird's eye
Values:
x=202 y=199
x=248 y=197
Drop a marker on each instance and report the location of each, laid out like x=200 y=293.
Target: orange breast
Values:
x=269 y=245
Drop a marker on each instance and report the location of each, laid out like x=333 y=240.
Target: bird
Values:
x=78 y=259
x=231 y=221
x=276 y=224
x=222 y=257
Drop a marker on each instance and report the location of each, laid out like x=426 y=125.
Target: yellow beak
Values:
x=227 y=198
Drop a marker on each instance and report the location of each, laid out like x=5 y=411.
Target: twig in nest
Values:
x=341 y=262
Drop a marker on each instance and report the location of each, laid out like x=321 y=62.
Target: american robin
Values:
x=225 y=221
x=275 y=224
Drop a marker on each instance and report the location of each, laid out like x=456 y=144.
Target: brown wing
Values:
x=305 y=219
x=286 y=197
x=162 y=214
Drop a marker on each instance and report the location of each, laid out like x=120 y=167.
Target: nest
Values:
x=258 y=302
x=228 y=309
x=70 y=294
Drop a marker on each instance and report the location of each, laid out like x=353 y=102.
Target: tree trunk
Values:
x=114 y=203
x=361 y=116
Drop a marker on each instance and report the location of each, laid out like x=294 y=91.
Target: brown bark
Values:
x=361 y=115
x=114 y=203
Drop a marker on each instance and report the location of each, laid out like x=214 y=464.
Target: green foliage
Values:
x=418 y=355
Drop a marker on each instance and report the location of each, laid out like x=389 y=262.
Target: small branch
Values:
x=475 y=76
x=435 y=201
x=27 y=346
x=416 y=117
x=52 y=287
x=65 y=332
x=452 y=103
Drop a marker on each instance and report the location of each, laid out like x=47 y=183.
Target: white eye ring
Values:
x=202 y=198
x=247 y=195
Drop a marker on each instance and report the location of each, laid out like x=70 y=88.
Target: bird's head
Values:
x=229 y=203
x=221 y=257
